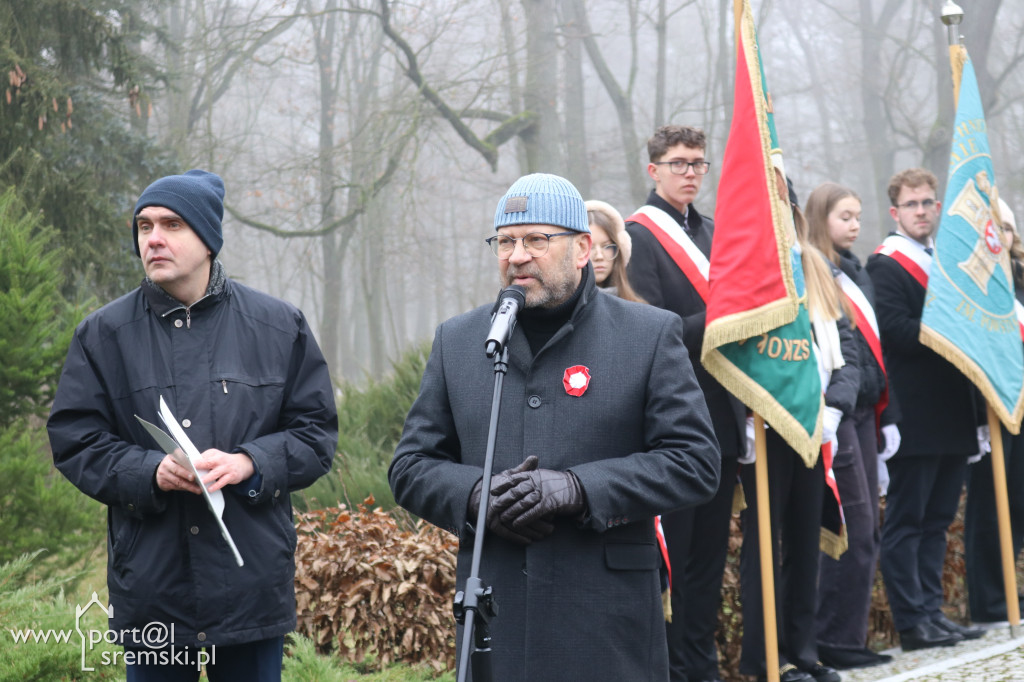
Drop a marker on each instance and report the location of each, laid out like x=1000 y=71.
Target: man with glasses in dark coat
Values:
x=602 y=427
x=939 y=422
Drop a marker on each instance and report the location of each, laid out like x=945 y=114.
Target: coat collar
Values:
x=163 y=304
x=519 y=351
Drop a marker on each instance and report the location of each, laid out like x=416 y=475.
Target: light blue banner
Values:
x=969 y=313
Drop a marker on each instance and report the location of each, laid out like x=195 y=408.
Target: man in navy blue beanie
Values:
x=244 y=377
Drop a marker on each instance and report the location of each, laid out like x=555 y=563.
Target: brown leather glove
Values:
x=532 y=496
x=524 y=535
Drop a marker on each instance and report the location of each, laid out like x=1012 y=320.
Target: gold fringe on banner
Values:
x=832 y=544
x=949 y=350
x=748 y=324
x=739 y=500
x=754 y=396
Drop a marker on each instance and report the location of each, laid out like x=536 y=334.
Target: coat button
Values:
x=194 y=530
x=534 y=401
x=178 y=323
x=201 y=636
x=277 y=493
x=186 y=423
x=131 y=507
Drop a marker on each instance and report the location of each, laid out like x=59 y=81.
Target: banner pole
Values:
x=764 y=535
x=1003 y=514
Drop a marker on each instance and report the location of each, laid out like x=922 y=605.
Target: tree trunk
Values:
x=879 y=147
x=578 y=170
x=621 y=99
x=544 y=152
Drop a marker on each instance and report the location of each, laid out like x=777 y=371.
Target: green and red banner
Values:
x=757 y=340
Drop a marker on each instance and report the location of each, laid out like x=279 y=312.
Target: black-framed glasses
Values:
x=927 y=204
x=535 y=243
x=610 y=251
x=678 y=166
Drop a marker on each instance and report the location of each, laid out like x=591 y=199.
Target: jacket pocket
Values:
x=123 y=540
x=633 y=556
x=251 y=399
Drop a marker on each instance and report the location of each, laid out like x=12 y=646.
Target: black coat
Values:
x=937 y=402
x=241 y=371
x=659 y=281
x=585 y=602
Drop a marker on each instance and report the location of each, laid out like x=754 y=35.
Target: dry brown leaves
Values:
x=364 y=587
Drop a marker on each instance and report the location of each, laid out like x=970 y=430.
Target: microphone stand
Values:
x=477 y=599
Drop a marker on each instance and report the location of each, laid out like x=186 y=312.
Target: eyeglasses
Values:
x=927 y=204
x=610 y=251
x=535 y=243
x=679 y=167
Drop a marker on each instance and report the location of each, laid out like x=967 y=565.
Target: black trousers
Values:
x=795 y=497
x=924 y=492
x=844 y=586
x=697 y=540
x=258 y=661
x=985 y=592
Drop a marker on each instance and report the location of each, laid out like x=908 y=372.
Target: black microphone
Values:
x=503 y=320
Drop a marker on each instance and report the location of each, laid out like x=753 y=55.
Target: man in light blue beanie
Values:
x=242 y=374
x=542 y=201
x=542 y=198
x=602 y=427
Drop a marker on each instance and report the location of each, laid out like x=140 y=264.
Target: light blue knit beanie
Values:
x=542 y=199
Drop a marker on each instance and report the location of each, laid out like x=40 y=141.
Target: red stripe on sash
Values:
x=678 y=254
x=908 y=264
x=875 y=344
x=663 y=548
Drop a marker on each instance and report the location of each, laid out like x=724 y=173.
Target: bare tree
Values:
x=621 y=97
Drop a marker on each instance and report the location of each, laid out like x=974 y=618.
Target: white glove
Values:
x=883 y=476
x=984 y=445
x=891 y=434
x=829 y=425
x=750 y=455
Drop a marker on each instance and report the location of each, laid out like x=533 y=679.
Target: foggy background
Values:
x=364 y=144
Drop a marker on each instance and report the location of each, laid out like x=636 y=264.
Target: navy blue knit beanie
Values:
x=542 y=199
x=197 y=196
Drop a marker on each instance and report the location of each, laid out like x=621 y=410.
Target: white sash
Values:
x=679 y=236
x=859 y=300
x=899 y=247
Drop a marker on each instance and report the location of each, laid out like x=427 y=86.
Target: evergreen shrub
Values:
x=370 y=421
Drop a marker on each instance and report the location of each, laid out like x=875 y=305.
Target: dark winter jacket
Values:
x=241 y=371
x=658 y=280
x=937 y=402
x=585 y=602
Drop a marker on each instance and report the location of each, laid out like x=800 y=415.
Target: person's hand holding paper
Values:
x=219 y=468
x=174 y=473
